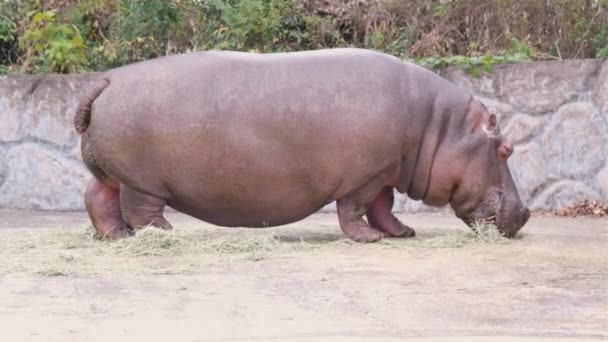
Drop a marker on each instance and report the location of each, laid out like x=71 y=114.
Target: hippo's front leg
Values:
x=379 y=215
x=352 y=207
x=350 y=215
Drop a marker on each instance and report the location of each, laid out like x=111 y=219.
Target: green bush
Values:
x=8 y=29
x=601 y=43
x=264 y=26
x=8 y=36
x=50 y=46
x=474 y=64
x=248 y=24
x=141 y=29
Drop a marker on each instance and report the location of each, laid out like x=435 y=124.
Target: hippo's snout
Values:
x=516 y=222
x=524 y=216
x=507 y=213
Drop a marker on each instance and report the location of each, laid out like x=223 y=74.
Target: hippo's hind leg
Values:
x=140 y=209
x=102 y=202
x=379 y=215
x=352 y=207
x=101 y=198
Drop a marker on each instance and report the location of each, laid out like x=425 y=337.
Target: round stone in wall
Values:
x=41 y=178
x=529 y=170
x=11 y=98
x=523 y=127
x=542 y=87
x=600 y=90
x=602 y=182
x=563 y=194
x=576 y=141
x=3 y=164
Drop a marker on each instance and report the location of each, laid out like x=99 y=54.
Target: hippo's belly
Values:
x=235 y=211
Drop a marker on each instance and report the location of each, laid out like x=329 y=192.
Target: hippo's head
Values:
x=484 y=189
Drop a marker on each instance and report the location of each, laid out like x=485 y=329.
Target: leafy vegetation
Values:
x=519 y=52
x=73 y=36
x=52 y=46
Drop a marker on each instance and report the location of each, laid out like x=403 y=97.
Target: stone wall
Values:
x=40 y=165
x=556 y=113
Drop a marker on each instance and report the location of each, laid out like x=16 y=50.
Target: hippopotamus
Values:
x=241 y=139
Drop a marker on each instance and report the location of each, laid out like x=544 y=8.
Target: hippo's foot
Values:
x=357 y=230
x=380 y=217
x=400 y=230
x=141 y=210
x=103 y=205
x=352 y=224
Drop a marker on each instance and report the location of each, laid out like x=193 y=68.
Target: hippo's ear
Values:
x=505 y=149
x=492 y=121
x=491 y=126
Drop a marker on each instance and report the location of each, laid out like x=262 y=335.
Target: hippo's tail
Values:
x=83 y=110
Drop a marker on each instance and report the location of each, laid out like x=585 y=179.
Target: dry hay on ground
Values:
x=190 y=249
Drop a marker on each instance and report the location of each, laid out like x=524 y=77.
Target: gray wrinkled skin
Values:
x=259 y=140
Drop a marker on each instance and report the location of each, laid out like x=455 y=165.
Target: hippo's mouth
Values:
x=496 y=214
x=505 y=226
x=479 y=217
x=490 y=220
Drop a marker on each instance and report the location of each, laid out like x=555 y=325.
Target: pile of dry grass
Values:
x=156 y=242
x=481 y=233
x=186 y=249
x=151 y=250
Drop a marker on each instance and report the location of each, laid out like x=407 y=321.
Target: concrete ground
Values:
x=550 y=284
